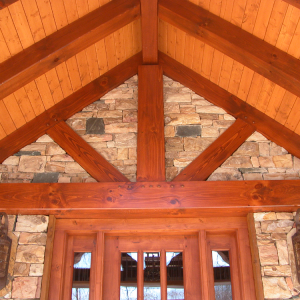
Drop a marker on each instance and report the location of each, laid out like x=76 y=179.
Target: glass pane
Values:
x=174 y=276
x=222 y=275
x=81 y=276
x=152 y=276
x=128 y=287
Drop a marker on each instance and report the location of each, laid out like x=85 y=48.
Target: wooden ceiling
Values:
x=58 y=56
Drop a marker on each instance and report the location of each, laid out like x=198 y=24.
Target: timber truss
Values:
x=188 y=195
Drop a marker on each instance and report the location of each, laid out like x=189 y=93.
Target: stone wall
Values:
x=29 y=235
x=273 y=233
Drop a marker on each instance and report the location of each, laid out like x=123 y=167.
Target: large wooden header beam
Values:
x=256 y=54
x=149 y=199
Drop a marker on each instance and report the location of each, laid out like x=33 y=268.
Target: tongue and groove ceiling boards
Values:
x=58 y=56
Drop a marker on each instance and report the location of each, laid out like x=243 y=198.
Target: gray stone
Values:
x=253 y=170
x=187 y=130
x=45 y=177
x=94 y=126
x=28 y=153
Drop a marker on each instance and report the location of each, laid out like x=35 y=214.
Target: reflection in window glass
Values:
x=128 y=287
x=174 y=276
x=81 y=276
x=152 y=276
x=222 y=275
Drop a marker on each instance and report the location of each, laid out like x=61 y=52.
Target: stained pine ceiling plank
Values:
x=295 y=3
x=66 y=108
x=258 y=55
x=63 y=44
x=5 y=3
x=270 y=128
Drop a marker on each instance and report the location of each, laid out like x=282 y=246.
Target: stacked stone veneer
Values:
x=109 y=125
x=29 y=235
x=273 y=233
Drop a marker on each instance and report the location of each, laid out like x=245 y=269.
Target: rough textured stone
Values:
x=32 y=223
x=108 y=114
x=36 y=270
x=237 y=162
x=264 y=149
x=21 y=269
x=129 y=116
x=53 y=167
x=266 y=162
x=61 y=157
x=278 y=271
x=170 y=108
x=256 y=136
x=33 y=238
x=53 y=148
x=96 y=138
x=268 y=255
x=276 y=288
x=126 y=140
x=283 y=161
x=121 y=128
x=188 y=130
x=35 y=164
x=252 y=176
x=247 y=149
x=45 y=177
x=225 y=175
x=12 y=160
x=94 y=126
x=171 y=172
x=30 y=254
x=281 y=226
x=197 y=144
x=174 y=144
x=169 y=131
x=209 y=109
x=26 y=287
x=209 y=132
x=284 y=216
x=282 y=252
x=126 y=104
x=177 y=97
x=74 y=167
x=182 y=119
x=265 y=216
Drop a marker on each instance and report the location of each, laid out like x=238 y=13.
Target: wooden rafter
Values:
x=270 y=128
x=5 y=3
x=95 y=164
x=51 y=51
x=258 y=55
x=159 y=199
x=149 y=31
x=295 y=3
x=150 y=141
x=217 y=153
x=68 y=106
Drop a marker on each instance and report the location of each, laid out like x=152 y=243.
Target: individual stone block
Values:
x=30 y=254
x=32 y=223
x=276 y=150
x=126 y=104
x=282 y=252
x=256 y=137
x=281 y=226
x=126 y=140
x=61 y=158
x=247 y=149
x=188 y=130
x=171 y=172
x=97 y=138
x=283 y=161
x=284 y=216
x=296 y=163
x=182 y=119
x=171 y=108
x=53 y=167
x=181 y=162
x=129 y=116
x=237 y=162
x=264 y=149
x=12 y=160
x=174 y=144
x=109 y=114
x=210 y=109
x=222 y=174
x=121 y=128
x=252 y=176
x=44 y=139
x=34 y=147
x=36 y=270
x=119 y=93
x=21 y=269
x=109 y=153
x=74 y=167
x=210 y=132
x=197 y=144
x=122 y=153
x=223 y=123
x=187 y=109
x=34 y=164
x=265 y=216
x=77 y=124
x=26 y=287
x=253 y=170
x=45 y=177
x=176 y=97
x=33 y=238
x=266 y=162
x=95 y=126
x=275 y=288
x=169 y=131
x=268 y=255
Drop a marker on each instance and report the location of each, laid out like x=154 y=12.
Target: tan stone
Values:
x=176 y=97
x=237 y=162
x=174 y=144
x=264 y=242
x=188 y=154
x=83 y=115
x=122 y=153
x=282 y=252
x=34 y=164
x=132 y=153
x=222 y=174
x=171 y=108
x=73 y=167
x=283 y=161
x=296 y=163
x=26 y=287
x=109 y=114
x=32 y=223
x=274 y=176
x=126 y=104
x=35 y=147
x=171 y=172
x=109 y=153
x=284 y=216
x=110 y=144
x=277 y=170
x=209 y=132
x=281 y=226
x=89 y=179
x=181 y=162
x=30 y=254
x=275 y=288
x=263 y=236
x=278 y=236
x=252 y=176
x=21 y=269
x=12 y=160
x=276 y=150
x=126 y=140
x=247 y=149
x=268 y=255
x=199 y=101
x=99 y=146
x=64 y=180
x=44 y=139
x=182 y=119
x=33 y=238
x=55 y=166
x=127 y=169
x=265 y=216
x=96 y=138
x=169 y=131
x=36 y=270
x=11 y=222
x=121 y=128
x=129 y=116
x=266 y=162
x=222 y=123
x=77 y=124
x=264 y=149
x=210 y=109
x=128 y=162
x=256 y=137
x=206 y=122
x=187 y=109
x=119 y=93
x=61 y=157
x=228 y=117
x=197 y=144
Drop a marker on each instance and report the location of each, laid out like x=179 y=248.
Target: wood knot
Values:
x=258 y=186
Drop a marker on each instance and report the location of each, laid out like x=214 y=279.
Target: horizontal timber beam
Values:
x=5 y=3
x=270 y=128
x=66 y=108
x=51 y=51
x=217 y=153
x=256 y=54
x=149 y=199
x=88 y=158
